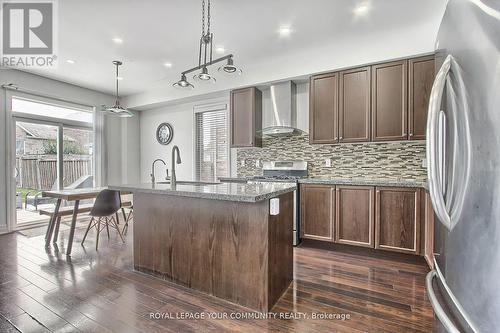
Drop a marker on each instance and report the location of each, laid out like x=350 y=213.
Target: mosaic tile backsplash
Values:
x=392 y=160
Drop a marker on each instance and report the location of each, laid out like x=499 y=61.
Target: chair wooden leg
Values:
x=107 y=225
x=98 y=232
x=127 y=220
x=56 y=230
x=88 y=228
x=124 y=215
x=117 y=218
x=118 y=230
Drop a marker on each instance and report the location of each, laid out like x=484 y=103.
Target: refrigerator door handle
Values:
x=438 y=309
x=435 y=150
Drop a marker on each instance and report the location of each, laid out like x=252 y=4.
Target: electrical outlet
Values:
x=424 y=163
x=242 y=163
x=328 y=162
x=257 y=163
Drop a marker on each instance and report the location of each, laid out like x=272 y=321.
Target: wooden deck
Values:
x=44 y=291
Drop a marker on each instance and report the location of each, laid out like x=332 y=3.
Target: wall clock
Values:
x=164 y=133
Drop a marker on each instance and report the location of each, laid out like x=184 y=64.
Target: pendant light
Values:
x=117 y=110
x=205 y=54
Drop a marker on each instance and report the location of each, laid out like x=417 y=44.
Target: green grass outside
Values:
x=24 y=191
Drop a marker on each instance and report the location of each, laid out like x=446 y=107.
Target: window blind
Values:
x=212 y=149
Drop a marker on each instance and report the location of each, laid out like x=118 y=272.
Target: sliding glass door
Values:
x=53 y=150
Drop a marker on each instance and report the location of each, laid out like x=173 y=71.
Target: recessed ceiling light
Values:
x=168 y=64
x=117 y=40
x=285 y=31
x=119 y=78
x=362 y=8
x=69 y=61
x=220 y=49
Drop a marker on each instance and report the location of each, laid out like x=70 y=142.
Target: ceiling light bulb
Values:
x=168 y=65
x=220 y=49
x=117 y=40
x=285 y=31
x=362 y=9
x=69 y=61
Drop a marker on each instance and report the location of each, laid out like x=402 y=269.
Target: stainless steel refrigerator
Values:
x=463 y=160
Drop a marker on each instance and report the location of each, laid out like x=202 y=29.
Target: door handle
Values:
x=436 y=306
x=433 y=149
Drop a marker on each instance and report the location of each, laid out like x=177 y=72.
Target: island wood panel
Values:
x=397 y=219
x=389 y=101
x=355 y=105
x=218 y=247
x=323 y=108
x=317 y=211
x=280 y=267
x=354 y=222
x=421 y=78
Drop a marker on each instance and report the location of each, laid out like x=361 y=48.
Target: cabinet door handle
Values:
x=341 y=138
x=335 y=139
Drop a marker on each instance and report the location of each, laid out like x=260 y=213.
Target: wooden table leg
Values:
x=52 y=222
x=72 y=228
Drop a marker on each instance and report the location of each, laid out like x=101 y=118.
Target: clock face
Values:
x=164 y=133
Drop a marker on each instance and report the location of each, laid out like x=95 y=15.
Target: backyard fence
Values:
x=40 y=172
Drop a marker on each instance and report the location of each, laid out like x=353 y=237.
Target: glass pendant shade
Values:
x=117 y=110
x=230 y=68
x=183 y=83
x=204 y=76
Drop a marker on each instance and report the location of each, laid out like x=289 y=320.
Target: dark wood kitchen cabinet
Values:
x=354 y=222
x=323 y=108
x=317 y=211
x=389 y=101
x=397 y=219
x=246 y=117
x=355 y=105
x=420 y=78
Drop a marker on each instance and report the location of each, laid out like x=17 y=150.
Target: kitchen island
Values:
x=220 y=239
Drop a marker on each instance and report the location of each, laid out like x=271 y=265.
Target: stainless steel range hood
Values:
x=279 y=110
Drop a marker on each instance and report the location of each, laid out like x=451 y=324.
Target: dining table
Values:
x=68 y=195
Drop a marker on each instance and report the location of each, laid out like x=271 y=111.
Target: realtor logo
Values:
x=28 y=33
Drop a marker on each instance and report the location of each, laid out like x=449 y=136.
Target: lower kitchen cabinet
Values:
x=354 y=222
x=317 y=211
x=397 y=219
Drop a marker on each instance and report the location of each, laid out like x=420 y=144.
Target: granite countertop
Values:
x=364 y=181
x=241 y=192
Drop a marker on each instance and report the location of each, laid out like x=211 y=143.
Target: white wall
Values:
x=123 y=165
x=181 y=117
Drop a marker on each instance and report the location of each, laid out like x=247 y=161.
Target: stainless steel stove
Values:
x=289 y=172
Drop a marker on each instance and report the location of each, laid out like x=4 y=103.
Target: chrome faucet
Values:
x=153 y=169
x=173 y=178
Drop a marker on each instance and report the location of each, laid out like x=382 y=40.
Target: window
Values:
x=212 y=149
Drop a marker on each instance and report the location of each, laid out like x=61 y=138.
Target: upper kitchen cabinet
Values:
x=246 y=117
x=421 y=78
x=354 y=105
x=389 y=101
x=323 y=108
x=354 y=222
x=397 y=219
x=317 y=211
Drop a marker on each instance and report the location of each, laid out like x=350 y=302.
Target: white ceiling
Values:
x=159 y=31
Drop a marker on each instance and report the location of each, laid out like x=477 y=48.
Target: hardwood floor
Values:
x=44 y=291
